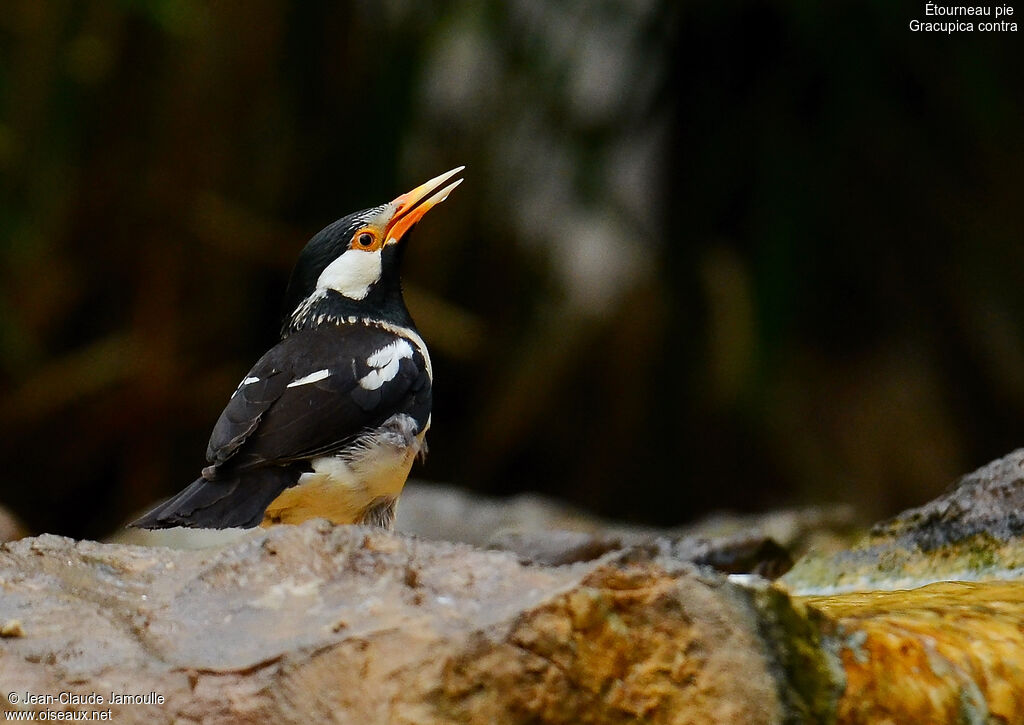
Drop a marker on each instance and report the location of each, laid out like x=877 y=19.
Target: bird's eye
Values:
x=365 y=239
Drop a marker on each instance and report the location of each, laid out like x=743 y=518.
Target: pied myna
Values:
x=328 y=422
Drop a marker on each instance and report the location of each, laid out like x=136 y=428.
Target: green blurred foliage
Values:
x=706 y=256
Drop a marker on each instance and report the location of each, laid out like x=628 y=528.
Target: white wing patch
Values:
x=311 y=378
x=385 y=363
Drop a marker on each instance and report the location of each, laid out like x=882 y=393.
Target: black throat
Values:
x=331 y=307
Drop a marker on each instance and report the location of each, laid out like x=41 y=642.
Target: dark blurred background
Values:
x=707 y=255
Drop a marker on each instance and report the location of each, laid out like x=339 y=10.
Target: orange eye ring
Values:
x=365 y=239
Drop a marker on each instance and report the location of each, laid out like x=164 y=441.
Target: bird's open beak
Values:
x=409 y=208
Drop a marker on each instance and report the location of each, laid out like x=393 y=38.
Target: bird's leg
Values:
x=381 y=512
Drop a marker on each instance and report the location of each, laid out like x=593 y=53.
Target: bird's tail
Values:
x=233 y=499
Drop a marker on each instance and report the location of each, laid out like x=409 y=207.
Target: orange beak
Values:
x=409 y=208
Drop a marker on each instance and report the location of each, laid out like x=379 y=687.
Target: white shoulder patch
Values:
x=413 y=337
x=385 y=363
x=311 y=378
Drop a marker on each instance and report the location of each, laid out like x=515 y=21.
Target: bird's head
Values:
x=350 y=268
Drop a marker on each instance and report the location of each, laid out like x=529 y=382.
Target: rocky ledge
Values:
x=316 y=623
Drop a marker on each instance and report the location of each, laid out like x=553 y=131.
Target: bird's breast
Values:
x=346 y=487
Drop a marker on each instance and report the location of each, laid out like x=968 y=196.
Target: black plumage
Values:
x=278 y=423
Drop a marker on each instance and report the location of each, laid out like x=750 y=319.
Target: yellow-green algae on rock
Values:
x=974 y=532
x=944 y=653
x=887 y=565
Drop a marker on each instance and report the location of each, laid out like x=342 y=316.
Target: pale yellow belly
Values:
x=343 y=490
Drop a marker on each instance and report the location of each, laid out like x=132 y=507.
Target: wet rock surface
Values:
x=944 y=653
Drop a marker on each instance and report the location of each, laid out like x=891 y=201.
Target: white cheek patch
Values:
x=311 y=378
x=352 y=274
x=385 y=363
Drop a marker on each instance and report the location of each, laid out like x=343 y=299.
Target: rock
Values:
x=555 y=548
x=988 y=502
x=972 y=533
x=448 y=513
x=738 y=554
x=12 y=628
x=178 y=537
x=827 y=528
x=543 y=531
x=314 y=623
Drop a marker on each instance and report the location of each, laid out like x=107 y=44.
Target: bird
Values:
x=328 y=422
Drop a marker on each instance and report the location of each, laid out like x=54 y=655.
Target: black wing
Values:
x=314 y=392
